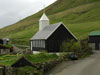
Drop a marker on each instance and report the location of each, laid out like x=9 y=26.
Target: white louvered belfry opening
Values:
x=38 y=43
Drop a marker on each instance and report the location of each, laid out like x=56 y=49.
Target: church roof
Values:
x=44 y=17
x=48 y=31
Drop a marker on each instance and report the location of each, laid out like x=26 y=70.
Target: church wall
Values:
x=37 y=44
x=55 y=41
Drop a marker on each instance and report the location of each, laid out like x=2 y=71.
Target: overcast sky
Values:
x=12 y=11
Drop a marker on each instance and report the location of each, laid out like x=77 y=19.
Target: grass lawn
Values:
x=8 y=60
x=28 y=69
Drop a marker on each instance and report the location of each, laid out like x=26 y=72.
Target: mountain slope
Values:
x=80 y=16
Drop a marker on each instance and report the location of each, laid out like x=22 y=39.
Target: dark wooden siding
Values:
x=94 y=39
x=21 y=63
x=1 y=41
x=54 y=42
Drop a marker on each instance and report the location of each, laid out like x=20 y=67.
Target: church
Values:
x=50 y=37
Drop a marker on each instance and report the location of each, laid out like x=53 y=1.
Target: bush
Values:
x=86 y=50
x=70 y=46
x=81 y=48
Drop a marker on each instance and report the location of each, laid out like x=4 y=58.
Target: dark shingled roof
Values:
x=47 y=31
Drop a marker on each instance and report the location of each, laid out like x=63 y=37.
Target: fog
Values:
x=12 y=11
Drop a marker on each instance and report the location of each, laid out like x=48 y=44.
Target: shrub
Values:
x=76 y=47
x=70 y=46
x=81 y=48
x=85 y=47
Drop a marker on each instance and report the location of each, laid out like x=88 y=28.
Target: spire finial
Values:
x=44 y=8
x=44 y=21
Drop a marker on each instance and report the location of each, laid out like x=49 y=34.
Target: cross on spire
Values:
x=44 y=8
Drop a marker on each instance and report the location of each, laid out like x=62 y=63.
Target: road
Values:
x=87 y=66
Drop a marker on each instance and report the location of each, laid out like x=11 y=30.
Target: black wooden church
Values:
x=50 y=37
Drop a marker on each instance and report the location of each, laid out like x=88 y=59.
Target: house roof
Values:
x=48 y=31
x=6 y=39
x=19 y=60
x=35 y=58
x=95 y=33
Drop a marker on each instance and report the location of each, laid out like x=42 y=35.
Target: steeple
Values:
x=43 y=22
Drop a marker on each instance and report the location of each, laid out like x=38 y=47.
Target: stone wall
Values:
x=2 y=70
x=92 y=45
x=4 y=51
x=43 y=67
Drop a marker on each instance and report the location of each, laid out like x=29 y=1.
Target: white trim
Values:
x=65 y=27
x=53 y=31
x=31 y=45
x=70 y=32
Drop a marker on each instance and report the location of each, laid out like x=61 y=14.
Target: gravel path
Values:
x=87 y=66
x=17 y=50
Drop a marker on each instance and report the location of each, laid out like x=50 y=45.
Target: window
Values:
x=33 y=43
x=38 y=43
x=43 y=44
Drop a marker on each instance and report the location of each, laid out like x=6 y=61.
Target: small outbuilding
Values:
x=22 y=62
x=94 y=40
x=50 y=37
x=5 y=47
x=1 y=41
x=4 y=51
x=4 y=41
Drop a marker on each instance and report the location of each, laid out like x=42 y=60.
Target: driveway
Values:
x=87 y=66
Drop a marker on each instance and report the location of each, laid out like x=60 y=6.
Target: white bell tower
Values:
x=43 y=22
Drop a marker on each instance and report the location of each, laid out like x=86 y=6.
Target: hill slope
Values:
x=80 y=16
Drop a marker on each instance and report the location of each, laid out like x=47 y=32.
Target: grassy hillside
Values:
x=80 y=16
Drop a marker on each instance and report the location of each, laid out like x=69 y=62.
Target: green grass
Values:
x=80 y=16
x=42 y=57
x=8 y=60
x=83 y=31
x=29 y=69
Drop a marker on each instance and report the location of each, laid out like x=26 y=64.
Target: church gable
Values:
x=49 y=30
x=59 y=33
x=55 y=40
x=62 y=32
